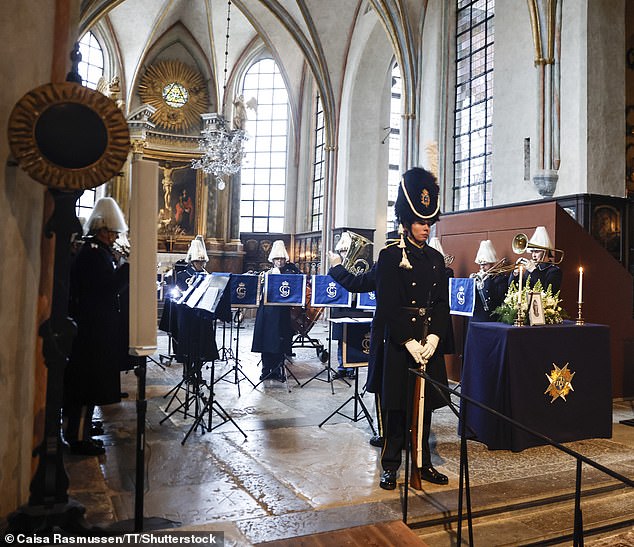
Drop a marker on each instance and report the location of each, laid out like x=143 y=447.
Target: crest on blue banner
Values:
x=244 y=290
x=356 y=344
x=285 y=290
x=326 y=292
x=462 y=295
x=366 y=300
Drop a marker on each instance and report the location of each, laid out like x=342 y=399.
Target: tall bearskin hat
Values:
x=197 y=250
x=278 y=250
x=105 y=214
x=417 y=197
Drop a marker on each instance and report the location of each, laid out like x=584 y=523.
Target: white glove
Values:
x=430 y=346
x=415 y=348
x=274 y=270
x=527 y=263
x=334 y=259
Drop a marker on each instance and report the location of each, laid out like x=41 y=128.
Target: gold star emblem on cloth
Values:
x=560 y=382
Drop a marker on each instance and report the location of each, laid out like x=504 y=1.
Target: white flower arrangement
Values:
x=507 y=311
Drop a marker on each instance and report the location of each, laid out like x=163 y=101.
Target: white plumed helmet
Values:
x=541 y=238
x=197 y=250
x=105 y=214
x=278 y=250
x=344 y=242
x=486 y=253
x=434 y=243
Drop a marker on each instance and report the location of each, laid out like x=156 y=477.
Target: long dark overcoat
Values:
x=399 y=292
x=272 y=332
x=93 y=372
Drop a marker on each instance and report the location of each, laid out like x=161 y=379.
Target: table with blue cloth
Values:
x=507 y=368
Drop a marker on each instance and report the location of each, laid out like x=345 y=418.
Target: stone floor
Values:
x=290 y=476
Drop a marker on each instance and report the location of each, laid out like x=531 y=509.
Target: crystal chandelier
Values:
x=223 y=148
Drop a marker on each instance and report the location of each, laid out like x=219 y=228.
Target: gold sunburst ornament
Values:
x=560 y=380
x=178 y=93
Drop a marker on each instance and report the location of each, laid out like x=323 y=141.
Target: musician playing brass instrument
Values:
x=540 y=266
x=412 y=315
x=490 y=286
x=197 y=259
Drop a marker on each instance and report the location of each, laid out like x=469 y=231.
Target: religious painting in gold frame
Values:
x=182 y=203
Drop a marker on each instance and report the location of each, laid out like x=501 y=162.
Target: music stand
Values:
x=199 y=305
x=243 y=293
x=356 y=362
x=281 y=367
x=239 y=374
x=328 y=368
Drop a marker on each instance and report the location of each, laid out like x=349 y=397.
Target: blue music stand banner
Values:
x=326 y=292
x=462 y=295
x=285 y=290
x=356 y=344
x=366 y=300
x=244 y=290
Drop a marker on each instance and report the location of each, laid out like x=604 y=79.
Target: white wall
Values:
x=361 y=195
x=27 y=30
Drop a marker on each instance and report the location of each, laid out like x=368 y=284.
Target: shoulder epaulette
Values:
x=391 y=243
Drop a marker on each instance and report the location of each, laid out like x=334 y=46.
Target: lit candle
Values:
x=519 y=291
x=580 y=285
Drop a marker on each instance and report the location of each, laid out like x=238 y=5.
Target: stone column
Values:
x=545 y=16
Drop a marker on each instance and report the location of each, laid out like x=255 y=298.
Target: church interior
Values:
x=241 y=123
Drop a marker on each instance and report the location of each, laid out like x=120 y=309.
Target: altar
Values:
x=553 y=379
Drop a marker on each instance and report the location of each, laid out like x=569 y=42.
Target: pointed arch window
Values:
x=394 y=143
x=91 y=69
x=474 y=100
x=263 y=175
x=319 y=168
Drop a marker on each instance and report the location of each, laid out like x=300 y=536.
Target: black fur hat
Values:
x=417 y=197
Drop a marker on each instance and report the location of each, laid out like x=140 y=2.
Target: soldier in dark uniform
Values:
x=97 y=279
x=412 y=315
x=490 y=289
x=272 y=333
x=540 y=266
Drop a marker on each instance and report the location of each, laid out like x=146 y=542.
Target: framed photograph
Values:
x=536 y=309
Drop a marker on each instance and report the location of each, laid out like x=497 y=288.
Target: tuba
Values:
x=352 y=262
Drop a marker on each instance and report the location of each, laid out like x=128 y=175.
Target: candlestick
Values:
x=579 y=320
x=580 y=299
x=519 y=319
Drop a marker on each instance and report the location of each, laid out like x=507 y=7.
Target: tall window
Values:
x=264 y=170
x=91 y=66
x=319 y=166
x=90 y=70
x=394 y=141
x=474 y=99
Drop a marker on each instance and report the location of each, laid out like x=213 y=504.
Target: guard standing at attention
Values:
x=412 y=315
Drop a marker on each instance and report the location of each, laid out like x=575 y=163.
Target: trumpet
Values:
x=520 y=245
x=500 y=267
